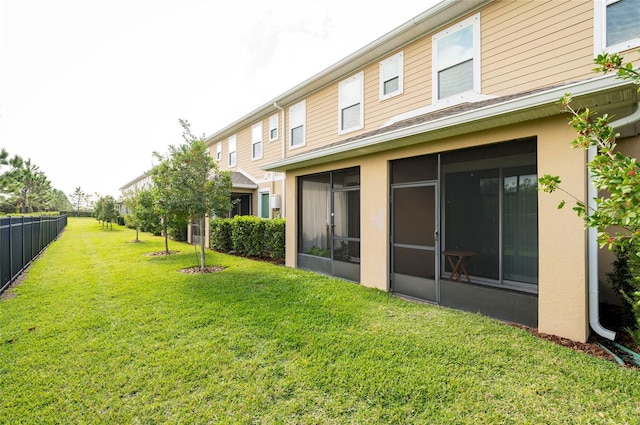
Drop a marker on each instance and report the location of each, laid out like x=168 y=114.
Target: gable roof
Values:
x=240 y=181
x=607 y=92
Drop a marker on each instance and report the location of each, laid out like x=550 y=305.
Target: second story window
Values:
x=350 y=103
x=616 y=25
x=297 y=117
x=456 y=60
x=391 y=76
x=219 y=151
x=273 y=127
x=256 y=141
x=232 y=151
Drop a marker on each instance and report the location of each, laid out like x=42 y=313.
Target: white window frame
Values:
x=256 y=140
x=298 y=118
x=458 y=97
x=399 y=59
x=600 y=31
x=233 y=153
x=273 y=125
x=218 y=151
x=260 y=193
x=345 y=102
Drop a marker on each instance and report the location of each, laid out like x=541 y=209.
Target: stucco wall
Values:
x=562 y=238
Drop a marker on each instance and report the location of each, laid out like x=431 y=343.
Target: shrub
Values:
x=221 y=230
x=178 y=233
x=7 y=208
x=625 y=278
x=248 y=235
x=274 y=238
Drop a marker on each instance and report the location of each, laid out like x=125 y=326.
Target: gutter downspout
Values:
x=592 y=255
x=284 y=155
x=592 y=240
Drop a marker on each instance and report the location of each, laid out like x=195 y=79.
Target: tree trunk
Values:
x=166 y=235
x=202 y=236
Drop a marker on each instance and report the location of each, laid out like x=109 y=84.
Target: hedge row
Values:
x=250 y=236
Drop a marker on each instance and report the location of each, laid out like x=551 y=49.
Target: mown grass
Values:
x=101 y=333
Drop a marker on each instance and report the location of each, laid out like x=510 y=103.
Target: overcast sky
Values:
x=89 y=89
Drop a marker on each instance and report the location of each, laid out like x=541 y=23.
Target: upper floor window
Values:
x=219 y=151
x=232 y=151
x=297 y=118
x=273 y=127
x=616 y=25
x=456 y=60
x=256 y=141
x=391 y=76
x=350 y=100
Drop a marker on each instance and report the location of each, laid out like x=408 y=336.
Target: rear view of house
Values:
x=411 y=166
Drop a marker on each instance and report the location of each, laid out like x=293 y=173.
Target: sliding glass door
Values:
x=329 y=223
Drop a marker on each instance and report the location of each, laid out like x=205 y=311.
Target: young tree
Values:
x=78 y=199
x=199 y=187
x=162 y=193
x=140 y=206
x=105 y=210
x=147 y=213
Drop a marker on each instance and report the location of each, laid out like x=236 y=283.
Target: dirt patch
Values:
x=8 y=292
x=200 y=270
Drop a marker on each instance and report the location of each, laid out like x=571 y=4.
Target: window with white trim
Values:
x=297 y=119
x=219 y=151
x=391 y=70
x=456 y=60
x=616 y=25
x=350 y=103
x=256 y=141
x=264 y=208
x=273 y=127
x=232 y=151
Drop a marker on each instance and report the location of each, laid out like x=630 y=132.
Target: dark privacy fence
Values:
x=22 y=239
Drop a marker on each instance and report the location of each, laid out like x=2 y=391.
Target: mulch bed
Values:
x=200 y=270
x=612 y=317
x=160 y=253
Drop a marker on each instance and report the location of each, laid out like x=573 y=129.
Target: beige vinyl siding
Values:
x=322 y=106
x=271 y=151
x=243 y=149
x=524 y=45
x=527 y=45
x=417 y=86
x=322 y=118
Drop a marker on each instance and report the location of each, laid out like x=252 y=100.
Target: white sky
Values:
x=89 y=89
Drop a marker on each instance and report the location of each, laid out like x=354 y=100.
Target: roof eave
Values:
x=539 y=105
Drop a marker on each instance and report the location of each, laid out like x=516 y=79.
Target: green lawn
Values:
x=101 y=333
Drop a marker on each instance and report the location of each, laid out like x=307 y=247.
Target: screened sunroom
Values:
x=464 y=229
